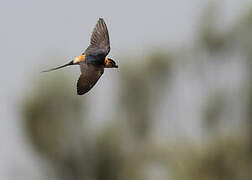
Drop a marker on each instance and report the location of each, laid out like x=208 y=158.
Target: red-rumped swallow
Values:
x=93 y=61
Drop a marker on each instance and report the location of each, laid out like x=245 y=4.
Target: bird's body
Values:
x=93 y=61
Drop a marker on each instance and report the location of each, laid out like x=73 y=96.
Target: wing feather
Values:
x=89 y=77
x=99 y=43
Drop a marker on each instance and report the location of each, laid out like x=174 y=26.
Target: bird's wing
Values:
x=99 y=43
x=90 y=75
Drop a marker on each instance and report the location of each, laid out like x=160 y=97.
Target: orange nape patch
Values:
x=106 y=60
x=80 y=58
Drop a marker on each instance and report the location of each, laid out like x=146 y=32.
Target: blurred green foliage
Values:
x=125 y=149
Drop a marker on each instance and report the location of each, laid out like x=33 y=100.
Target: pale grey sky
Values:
x=33 y=30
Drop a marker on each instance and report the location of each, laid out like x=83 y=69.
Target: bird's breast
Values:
x=98 y=60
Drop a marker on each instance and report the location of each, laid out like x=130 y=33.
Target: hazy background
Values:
x=178 y=107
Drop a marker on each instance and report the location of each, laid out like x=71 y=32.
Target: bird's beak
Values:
x=68 y=64
x=115 y=66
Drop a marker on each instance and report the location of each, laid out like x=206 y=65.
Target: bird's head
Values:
x=110 y=63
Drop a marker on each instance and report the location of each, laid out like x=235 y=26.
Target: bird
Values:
x=93 y=60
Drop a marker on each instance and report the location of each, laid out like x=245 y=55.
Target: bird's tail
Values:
x=65 y=65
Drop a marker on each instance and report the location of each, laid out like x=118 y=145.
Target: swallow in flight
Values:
x=93 y=60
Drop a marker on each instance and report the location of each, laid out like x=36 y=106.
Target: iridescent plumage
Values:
x=93 y=60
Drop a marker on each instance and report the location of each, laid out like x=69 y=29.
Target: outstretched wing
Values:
x=90 y=75
x=99 y=44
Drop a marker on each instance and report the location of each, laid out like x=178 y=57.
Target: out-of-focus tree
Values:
x=56 y=128
x=142 y=87
x=124 y=149
x=212 y=113
x=245 y=39
x=211 y=38
x=54 y=123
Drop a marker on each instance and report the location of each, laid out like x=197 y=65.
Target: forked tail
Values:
x=65 y=65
